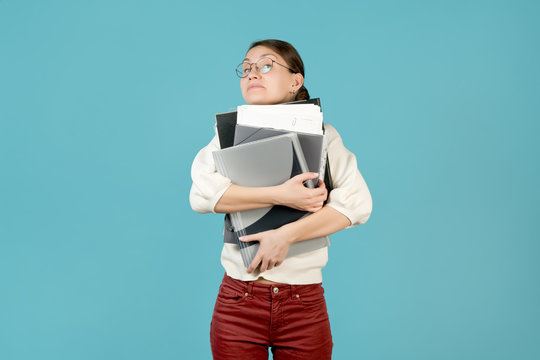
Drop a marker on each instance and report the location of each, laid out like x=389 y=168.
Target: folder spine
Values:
x=324 y=154
x=301 y=159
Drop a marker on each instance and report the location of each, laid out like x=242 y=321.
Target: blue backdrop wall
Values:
x=104 y=104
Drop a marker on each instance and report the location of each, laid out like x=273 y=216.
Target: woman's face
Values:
x=274 y=87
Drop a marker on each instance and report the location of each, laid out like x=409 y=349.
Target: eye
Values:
x=265 y=68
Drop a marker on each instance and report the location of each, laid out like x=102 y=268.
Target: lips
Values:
x=254 y=86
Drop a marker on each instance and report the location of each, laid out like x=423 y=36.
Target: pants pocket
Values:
x=229 y=295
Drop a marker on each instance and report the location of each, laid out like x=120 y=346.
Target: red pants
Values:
x=249 y=317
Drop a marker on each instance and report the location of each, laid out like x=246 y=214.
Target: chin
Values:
x=253 y=99
x=258 y=100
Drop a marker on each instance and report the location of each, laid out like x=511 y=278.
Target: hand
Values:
x=295 y=195
x=273 y=248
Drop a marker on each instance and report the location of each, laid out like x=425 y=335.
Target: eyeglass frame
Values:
x=257 y=68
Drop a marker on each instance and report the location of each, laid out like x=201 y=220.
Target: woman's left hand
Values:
x=273 y=247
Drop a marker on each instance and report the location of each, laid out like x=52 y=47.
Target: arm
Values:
x=322 y=223
x=208 y=185
x=212 y=192
x=274 y=244
x=291 y=193
x=349 y=204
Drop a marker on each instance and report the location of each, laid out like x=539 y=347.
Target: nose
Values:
x=254 y=72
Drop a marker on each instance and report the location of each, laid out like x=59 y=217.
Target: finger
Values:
x=306 y=176
x=317 y=201
x=320 y=192
x=319 y=189
x=318 y=207
x=254 y=263
x=313 y=207
x=248 y=238
x=264 y=265
x=321 y=184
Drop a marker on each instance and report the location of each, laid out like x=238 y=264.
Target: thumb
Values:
x=306 y=176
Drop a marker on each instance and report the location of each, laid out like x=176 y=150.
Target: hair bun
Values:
x=302 y=94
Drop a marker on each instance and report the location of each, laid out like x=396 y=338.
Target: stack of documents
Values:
x=306 y=118
x=265 y=145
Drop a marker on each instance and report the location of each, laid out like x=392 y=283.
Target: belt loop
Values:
x=293 y=292
x=250 y=288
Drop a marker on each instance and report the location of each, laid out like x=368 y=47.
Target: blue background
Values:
x=104 y=104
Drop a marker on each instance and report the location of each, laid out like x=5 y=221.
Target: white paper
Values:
x=305 y=118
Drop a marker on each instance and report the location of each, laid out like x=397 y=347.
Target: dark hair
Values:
x=291 y=57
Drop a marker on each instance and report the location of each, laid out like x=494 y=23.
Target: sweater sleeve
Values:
x=208 y=185
x=350 y=195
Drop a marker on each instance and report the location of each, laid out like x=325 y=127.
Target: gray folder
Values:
x=266 y=162
x=313 y=145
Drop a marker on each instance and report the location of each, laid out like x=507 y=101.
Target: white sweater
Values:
x=350 y=197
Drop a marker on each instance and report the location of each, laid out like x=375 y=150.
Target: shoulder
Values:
x=333 y=135
x=213 y=145
x=331 y=131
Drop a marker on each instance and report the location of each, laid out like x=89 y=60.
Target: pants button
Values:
x=276 y=290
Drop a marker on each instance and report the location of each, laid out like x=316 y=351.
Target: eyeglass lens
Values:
x=262 y=66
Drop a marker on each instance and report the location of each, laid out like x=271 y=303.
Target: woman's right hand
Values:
x=294 y=194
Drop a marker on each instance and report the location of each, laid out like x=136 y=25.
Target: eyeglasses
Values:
x=262 y=66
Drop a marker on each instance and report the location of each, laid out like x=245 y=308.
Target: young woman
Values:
x=278 y=302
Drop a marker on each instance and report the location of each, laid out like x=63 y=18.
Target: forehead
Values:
x=262 y=51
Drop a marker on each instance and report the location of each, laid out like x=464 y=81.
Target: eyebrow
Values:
x=263 y=55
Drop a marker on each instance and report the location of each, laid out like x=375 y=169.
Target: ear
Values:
x=297 y=82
